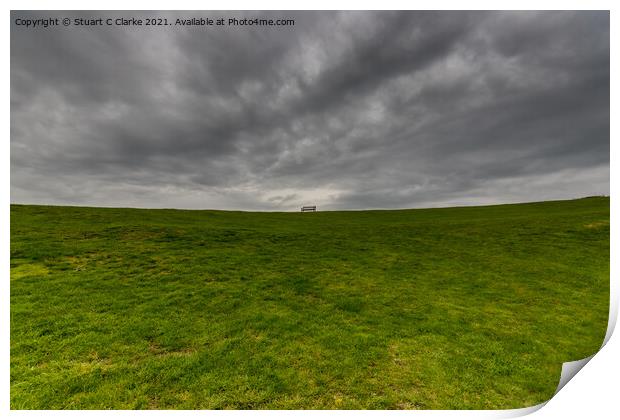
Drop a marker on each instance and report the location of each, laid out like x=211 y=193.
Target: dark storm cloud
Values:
x=343 y=110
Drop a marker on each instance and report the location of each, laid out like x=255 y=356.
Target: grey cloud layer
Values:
x=343 y=110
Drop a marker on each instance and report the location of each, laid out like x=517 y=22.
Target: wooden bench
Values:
x=308 y=208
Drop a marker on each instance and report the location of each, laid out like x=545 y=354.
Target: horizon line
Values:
x=321 y=211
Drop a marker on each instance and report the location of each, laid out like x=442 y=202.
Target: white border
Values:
x=592 y=393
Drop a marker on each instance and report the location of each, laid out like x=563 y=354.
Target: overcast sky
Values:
x=345 y=110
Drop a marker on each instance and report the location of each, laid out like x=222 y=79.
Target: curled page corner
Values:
x=570 y=369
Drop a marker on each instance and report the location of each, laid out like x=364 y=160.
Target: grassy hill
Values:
x=473 y=307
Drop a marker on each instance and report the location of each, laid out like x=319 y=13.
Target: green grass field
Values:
x=458 y=308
